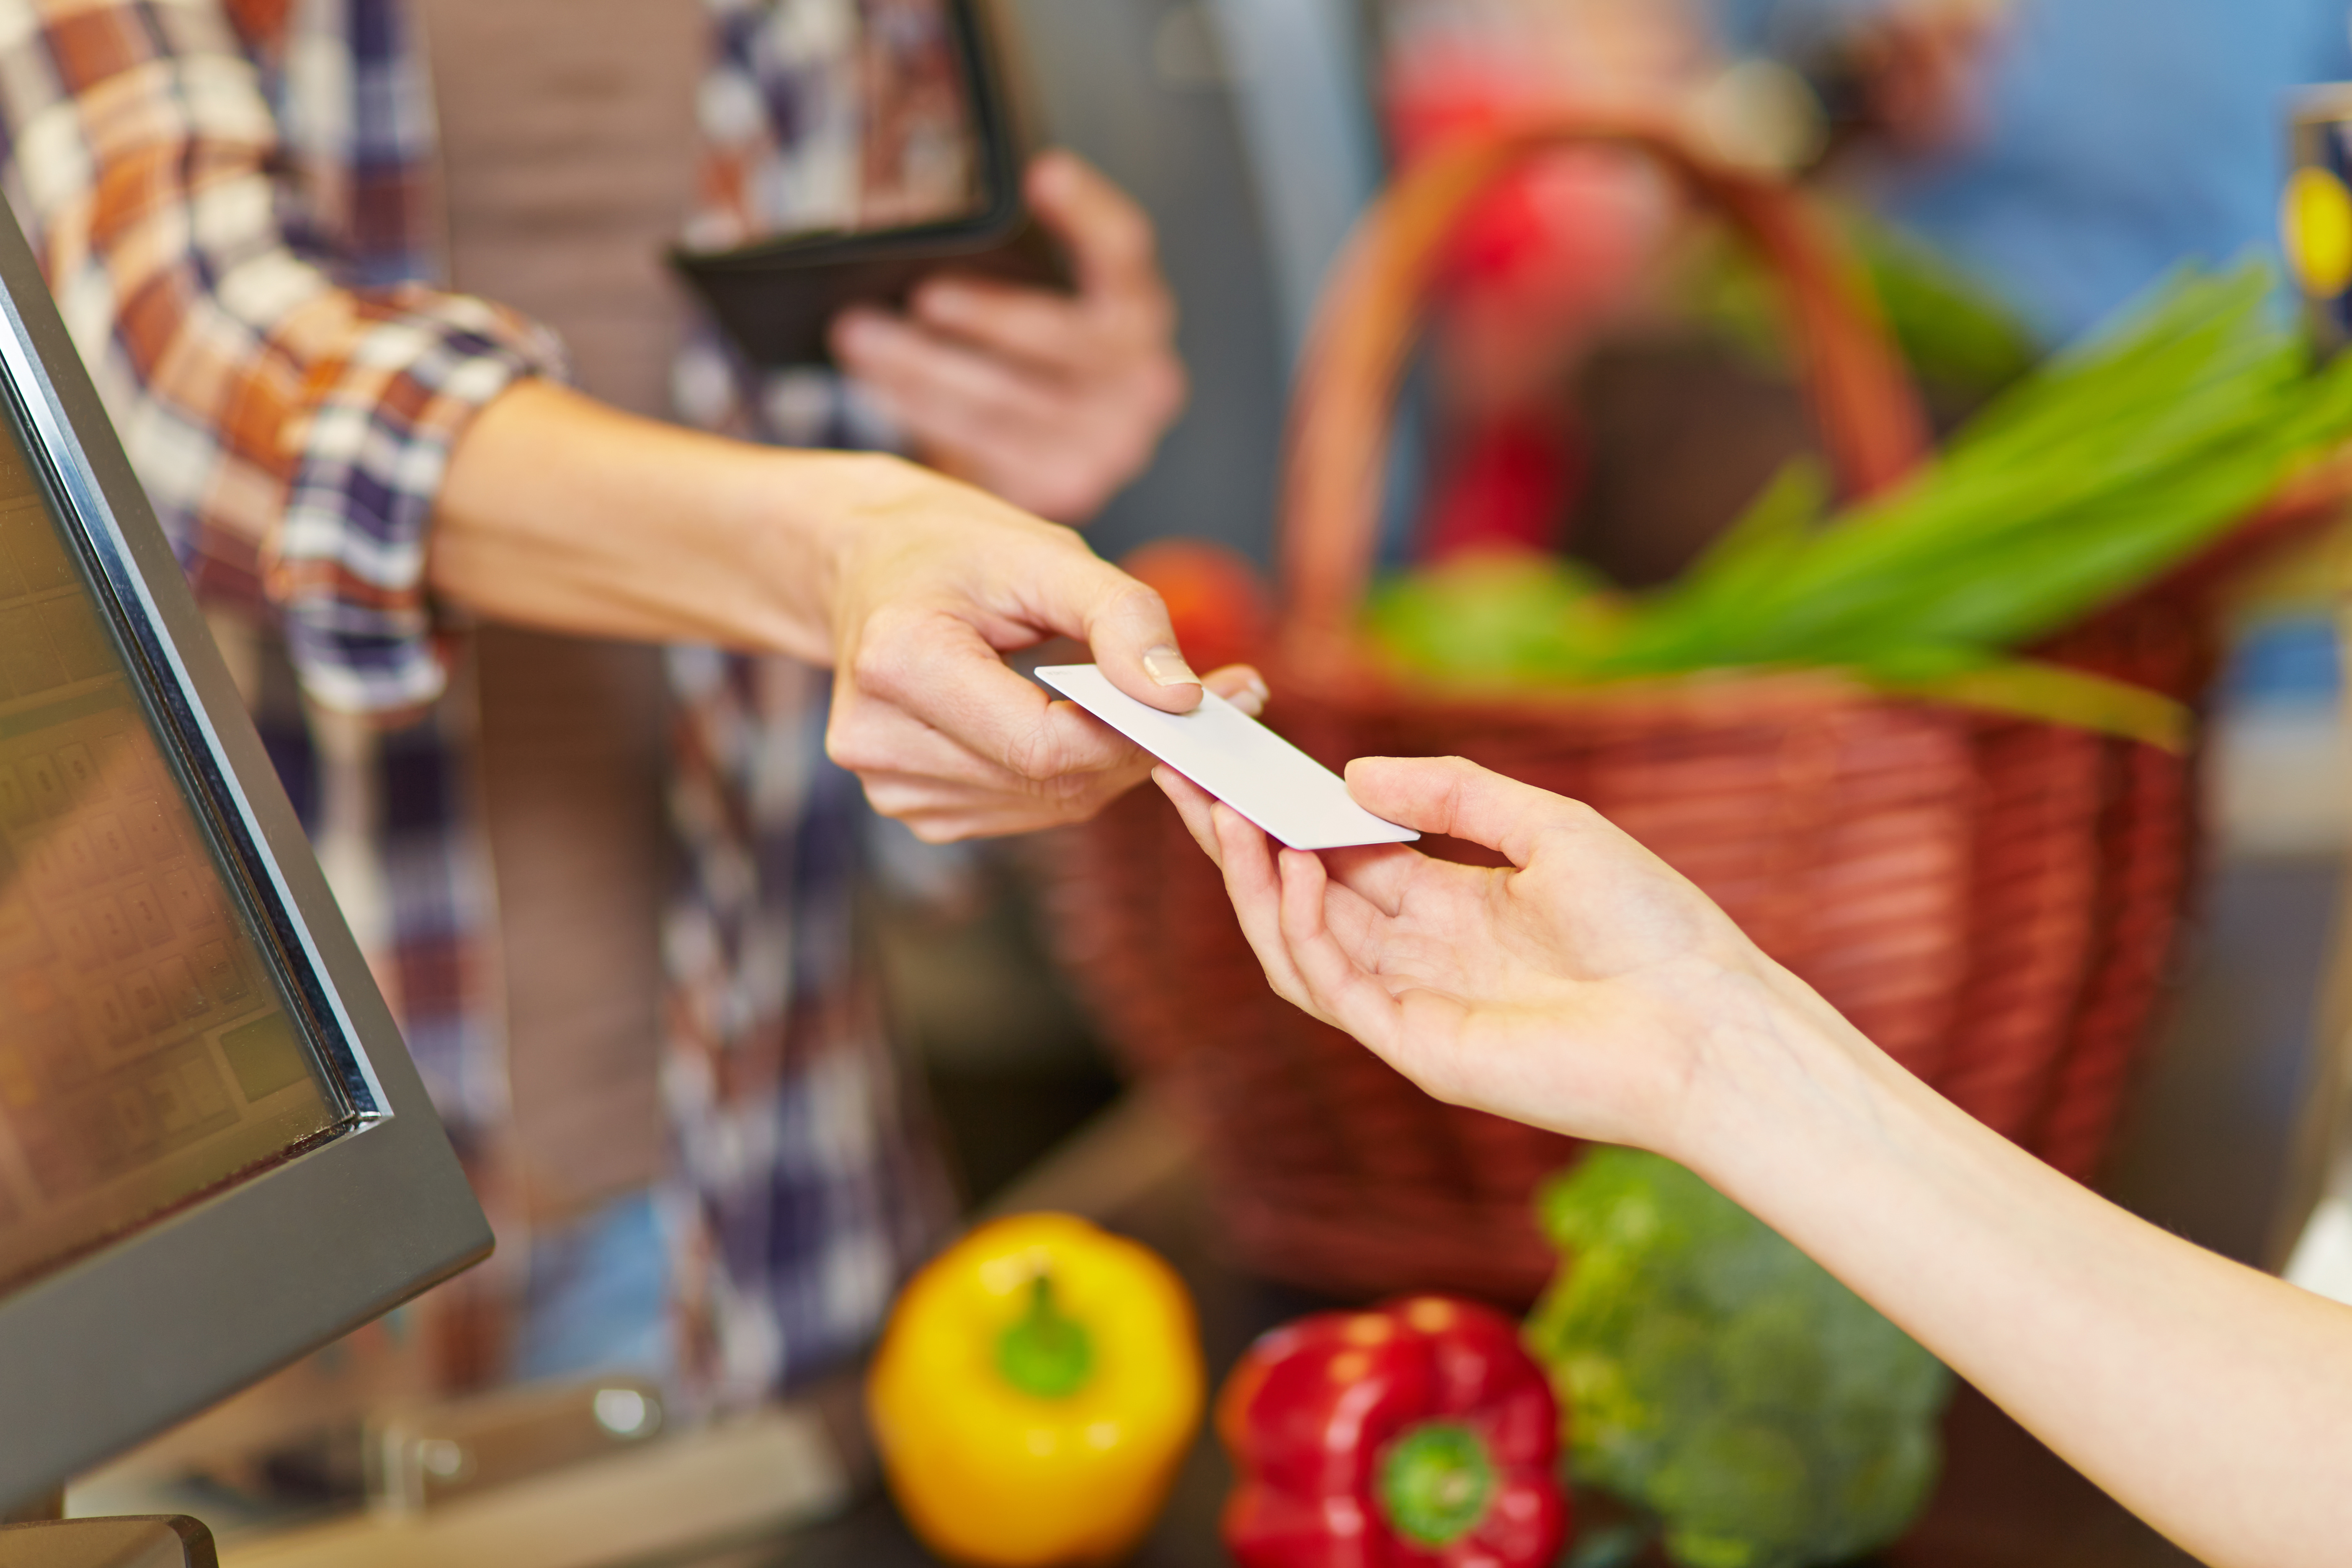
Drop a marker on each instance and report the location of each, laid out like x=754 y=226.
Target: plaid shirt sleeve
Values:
x=292 y=429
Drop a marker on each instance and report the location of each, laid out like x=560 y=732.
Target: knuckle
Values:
x=1571 y=813
x=887 y=652
x=848 y=749
x=1071 y=544
x=1139 y=601
x=849 y=742
x=1037 y=757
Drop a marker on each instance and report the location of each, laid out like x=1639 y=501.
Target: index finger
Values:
x=948 y=676
x=1034 y=327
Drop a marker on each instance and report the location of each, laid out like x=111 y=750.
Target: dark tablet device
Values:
x=214 y=1153
x=775 y=299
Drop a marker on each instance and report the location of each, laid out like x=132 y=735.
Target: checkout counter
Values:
x=790 y=1490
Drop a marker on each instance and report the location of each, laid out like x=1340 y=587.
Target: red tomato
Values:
x=1221 y=608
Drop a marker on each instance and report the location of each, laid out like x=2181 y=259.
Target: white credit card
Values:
x=1236 y=759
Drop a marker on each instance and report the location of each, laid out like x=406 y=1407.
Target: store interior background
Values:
x=1244 y=127
x=1247 y=129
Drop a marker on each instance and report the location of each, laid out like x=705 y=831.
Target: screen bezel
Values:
x=992 y=219
x=150 y=1328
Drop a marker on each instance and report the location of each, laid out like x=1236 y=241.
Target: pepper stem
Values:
x=1046 y=1352
x=1435 y=1482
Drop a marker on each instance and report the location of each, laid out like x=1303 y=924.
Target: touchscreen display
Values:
x=920 y=154
x=144 y=1054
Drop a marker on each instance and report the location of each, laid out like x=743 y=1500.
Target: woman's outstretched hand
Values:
x=1588 y=988
x=1584 y=987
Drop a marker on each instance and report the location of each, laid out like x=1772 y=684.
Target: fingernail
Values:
x=1167 y=667
x=1251 y=699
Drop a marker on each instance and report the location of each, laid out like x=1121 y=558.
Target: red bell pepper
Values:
x=1417 y=1434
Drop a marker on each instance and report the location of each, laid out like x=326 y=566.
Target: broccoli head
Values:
x=1714 y=1375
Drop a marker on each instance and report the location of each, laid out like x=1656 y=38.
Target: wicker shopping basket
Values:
x=1990 y=898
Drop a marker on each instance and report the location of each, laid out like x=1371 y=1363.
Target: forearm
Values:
x=2210 y=1399
x=560 y=512
x=556 y=512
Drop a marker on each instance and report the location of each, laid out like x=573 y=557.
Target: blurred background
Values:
x=1591 y=383
x=1600 y=378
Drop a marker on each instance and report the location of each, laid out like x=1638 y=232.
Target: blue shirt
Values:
x=2121 y=136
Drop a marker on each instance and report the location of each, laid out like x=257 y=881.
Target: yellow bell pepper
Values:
x=1035 y=1390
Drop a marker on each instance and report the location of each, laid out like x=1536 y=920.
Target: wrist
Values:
x=1781 y=1077
x=809 y=519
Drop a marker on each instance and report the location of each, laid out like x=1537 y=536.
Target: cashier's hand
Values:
x=1585 y=987
x=1052 y=401
x=932 y=581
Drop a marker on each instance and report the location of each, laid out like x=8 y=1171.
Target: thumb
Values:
x=1127 y=627
x=1458 y=798
x=1110 y=237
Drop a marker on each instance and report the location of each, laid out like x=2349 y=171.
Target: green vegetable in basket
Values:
x=1710 y=1372
x=2088 y=478
x=1515 y=616
x=1958 y=336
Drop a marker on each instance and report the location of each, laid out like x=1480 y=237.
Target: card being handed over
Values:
x=1236 y=759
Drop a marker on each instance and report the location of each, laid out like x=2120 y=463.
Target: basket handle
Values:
x=1863 y=396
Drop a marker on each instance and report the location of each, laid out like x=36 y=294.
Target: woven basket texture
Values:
x=1992 y=900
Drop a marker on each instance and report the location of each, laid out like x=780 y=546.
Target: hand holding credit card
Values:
x=1238 y=760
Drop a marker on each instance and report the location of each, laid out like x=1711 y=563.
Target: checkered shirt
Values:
x=232 y=201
